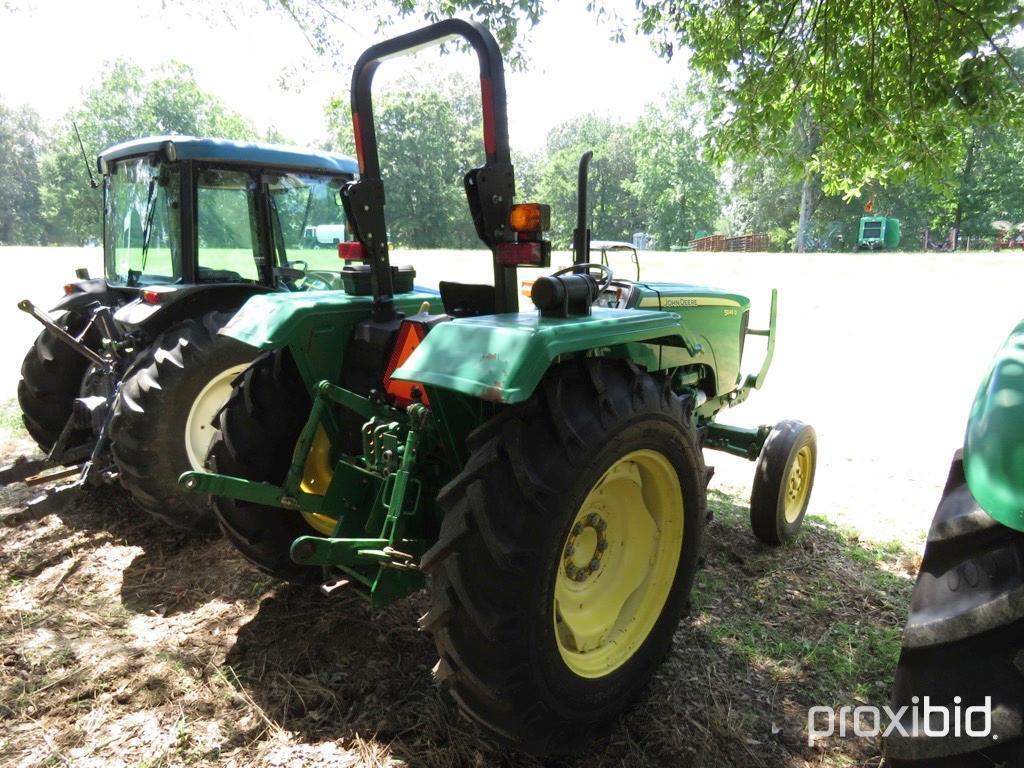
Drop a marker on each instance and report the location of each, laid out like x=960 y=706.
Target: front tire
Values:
x=964 y=637
x=51 y=379
x=588 y=500
x=783 y=480
x=162 y=417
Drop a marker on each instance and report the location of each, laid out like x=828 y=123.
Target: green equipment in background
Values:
x=541 y=472
x=878 y=233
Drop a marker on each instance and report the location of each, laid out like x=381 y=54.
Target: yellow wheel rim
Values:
x=618 y=563
x=798 y=484
x=316 y=476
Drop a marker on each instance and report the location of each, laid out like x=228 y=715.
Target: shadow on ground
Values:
x=771 y=633
x=174 y=572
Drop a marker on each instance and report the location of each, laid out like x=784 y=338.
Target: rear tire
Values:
x=503 y=614
x=51 y=379
x=161 y=424
x=964 y=636
x=259 y=427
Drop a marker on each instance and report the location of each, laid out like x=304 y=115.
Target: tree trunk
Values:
x=806 y=209
x=965 y=181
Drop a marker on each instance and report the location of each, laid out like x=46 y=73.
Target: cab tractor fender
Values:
x=155 y=309
x=502 y=358
x=994 y=445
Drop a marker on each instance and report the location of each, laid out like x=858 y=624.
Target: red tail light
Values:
x=410 y=334
x=151 y=297
x=352 y=251
x=532 y=253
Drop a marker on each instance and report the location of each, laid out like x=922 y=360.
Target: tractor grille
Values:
x=872 y=229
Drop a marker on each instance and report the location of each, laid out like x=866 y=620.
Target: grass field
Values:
x=122 y=645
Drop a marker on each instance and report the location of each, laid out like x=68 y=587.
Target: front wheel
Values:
x=567 y=554
x=162 y=423
x=783 y=480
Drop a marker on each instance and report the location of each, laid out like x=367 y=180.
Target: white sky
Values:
x=51 y=50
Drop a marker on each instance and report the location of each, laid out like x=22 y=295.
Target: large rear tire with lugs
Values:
x=567 y=553
x=964 y=639
x=51 y=379
x=259 y=427
x=162 y=423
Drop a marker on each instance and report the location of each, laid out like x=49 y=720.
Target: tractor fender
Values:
x=502 y=358
x=80 y=294
x=180 y=303
x=994 y=445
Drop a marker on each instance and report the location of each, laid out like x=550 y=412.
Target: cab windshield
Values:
x=141 y=222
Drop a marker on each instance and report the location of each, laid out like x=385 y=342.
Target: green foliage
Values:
x=675 y=186
x=127 y=103
x=614 y=207
x=20 y=143
x=318 y=18
x=427 y=137
x=889 y=84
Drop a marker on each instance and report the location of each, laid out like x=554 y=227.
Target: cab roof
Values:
x=230 y=152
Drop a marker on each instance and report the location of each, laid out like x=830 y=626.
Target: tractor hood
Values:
x=994 y=447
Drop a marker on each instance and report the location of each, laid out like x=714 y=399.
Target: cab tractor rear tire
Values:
x=783 y=480
x=259 y=427
x=964 y=637
x=162 y=423
x=566 y=555
x=51 y=379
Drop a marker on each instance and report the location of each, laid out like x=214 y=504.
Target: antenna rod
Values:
x=85 y=157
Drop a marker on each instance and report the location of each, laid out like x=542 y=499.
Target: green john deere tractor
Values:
x=963 y=644
x=541 y=471
x=134 y=362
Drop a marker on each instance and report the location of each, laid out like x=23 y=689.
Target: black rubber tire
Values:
x=964 y=635
x=259 y=427
x=767 y=497
x=147 y=431
x=507 y=517
x=51 y=379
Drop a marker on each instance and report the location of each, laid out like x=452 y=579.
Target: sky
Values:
x=50 y=50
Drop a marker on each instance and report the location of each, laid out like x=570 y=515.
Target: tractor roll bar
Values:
x=364 y=199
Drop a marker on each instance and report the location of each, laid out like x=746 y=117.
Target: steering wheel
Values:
x=604 y=268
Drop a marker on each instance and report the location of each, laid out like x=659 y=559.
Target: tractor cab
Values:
x=182 y=211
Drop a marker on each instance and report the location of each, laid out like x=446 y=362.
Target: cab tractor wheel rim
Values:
x=798 y=484
x=617 y=564
x=198 y=427
x=316 y=476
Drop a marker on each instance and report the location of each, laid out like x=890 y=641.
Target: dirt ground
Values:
x=124 y=644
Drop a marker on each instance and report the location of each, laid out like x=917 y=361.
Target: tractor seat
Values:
x=467 y=299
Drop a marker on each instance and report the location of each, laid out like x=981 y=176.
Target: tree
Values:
x=614 y=213
x=127 y=103
x=327 y=24
x=428 y=137
x=887 y=83
x=20 y=142
x=676 y=186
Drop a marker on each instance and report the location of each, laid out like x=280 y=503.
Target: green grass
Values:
x=825 y=610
